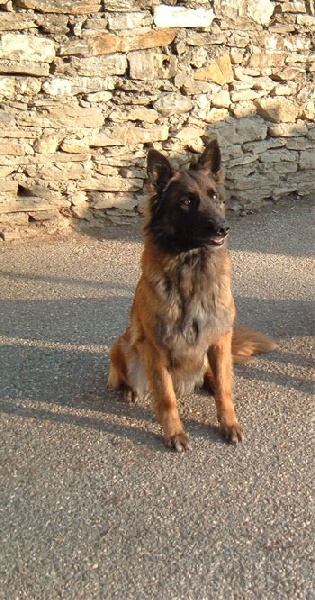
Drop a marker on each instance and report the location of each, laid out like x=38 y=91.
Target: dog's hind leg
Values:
x=161 y=386
x=220 y=359
x=118 y=375
x=209 y=380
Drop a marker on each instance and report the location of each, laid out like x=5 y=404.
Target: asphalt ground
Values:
x=92 y=504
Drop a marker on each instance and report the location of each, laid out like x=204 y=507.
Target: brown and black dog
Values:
x=181 y=331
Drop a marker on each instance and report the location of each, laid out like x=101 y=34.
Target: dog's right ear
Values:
x=159 y=170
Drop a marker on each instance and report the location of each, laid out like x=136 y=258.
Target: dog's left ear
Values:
x=210 y=158
x=159 y=170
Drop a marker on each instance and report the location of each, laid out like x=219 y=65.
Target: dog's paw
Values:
x=232 y=433
x=130 y=395
x=178 y=442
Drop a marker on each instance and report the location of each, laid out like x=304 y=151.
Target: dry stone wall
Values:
x=87 y=86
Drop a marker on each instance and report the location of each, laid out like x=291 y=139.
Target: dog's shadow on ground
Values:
x=69 y=386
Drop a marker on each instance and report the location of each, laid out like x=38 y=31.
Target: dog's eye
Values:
x=212 y=195
x=189 y=199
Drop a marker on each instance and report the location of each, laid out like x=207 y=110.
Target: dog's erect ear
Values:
x=159 y=170
x=211 y=157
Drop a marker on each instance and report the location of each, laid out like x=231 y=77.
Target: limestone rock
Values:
x=74 y=7
x=148 y=115
x=10 y=22
x=48 y=144
x=89 y=85
x=108 y=43
x=287 y=129
x=220 y=71
x=216 y=114
x=29 y=48
x=307 y=159
x=221 y=99
x=173 y=103
x=58 y=87
x=23 y=66
x=129 y=134
x=179 y=16
x=151 y=65
x=113 y=64
x=129 y=20
x=73 y=145
x=277 y=110
x=112 y=200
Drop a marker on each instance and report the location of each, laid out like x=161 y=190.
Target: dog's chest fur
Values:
x=194 y=300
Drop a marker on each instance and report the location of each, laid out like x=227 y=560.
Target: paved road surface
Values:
x=92 y=504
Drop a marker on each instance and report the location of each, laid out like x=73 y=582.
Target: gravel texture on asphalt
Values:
x=92 y=504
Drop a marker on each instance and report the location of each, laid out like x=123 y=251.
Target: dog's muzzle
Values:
x=219 y=233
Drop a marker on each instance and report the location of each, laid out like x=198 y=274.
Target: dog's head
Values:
x=186 y=208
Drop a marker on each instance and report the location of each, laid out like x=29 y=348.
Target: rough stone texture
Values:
x=87 y=86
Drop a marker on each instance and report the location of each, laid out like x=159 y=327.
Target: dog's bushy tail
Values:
x=247 y=342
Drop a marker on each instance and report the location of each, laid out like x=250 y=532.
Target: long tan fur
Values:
x=181 y=332
x=247 y=342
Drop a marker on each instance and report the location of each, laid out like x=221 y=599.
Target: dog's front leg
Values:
x=220 y=358
x=162 y=388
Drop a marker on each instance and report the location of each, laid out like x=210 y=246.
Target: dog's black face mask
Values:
x=186 y=210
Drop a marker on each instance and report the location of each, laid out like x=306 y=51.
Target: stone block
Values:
x=113 y=64
x=44 y=215
x=293 y=7
x=23 y=66
x=13 y=219
x=216 y=114
x=6 y=185
x=306 y=21
x=72 y=7
x=16 y=21
x=247 y=10
x=277 y=110
x=190 y=134
x=220 y=71
x=173 y=103
x=278 y=155
x=29 y=203
x=240 y=131
x=53 y=24
x=244 y=109
x=9 y=147
x=105 y=200
x=147 y=115
x=99 y=97
x=11 y=86
x=29 y=48
x=66 y=116
x=110 y=184
x=129 y=20
x=74 y=146
x=307 y=159
x=261 y=60
x=179 y=16
x=130 y=135
x=287 y=129
x=262 y=147
x=58 y=87
x=221 y=99
x=245 y=95
x=108 y=43
x=151 y=65
x=47 y=144
x=58 y=171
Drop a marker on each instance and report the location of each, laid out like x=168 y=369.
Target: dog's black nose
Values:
x=223 y=230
